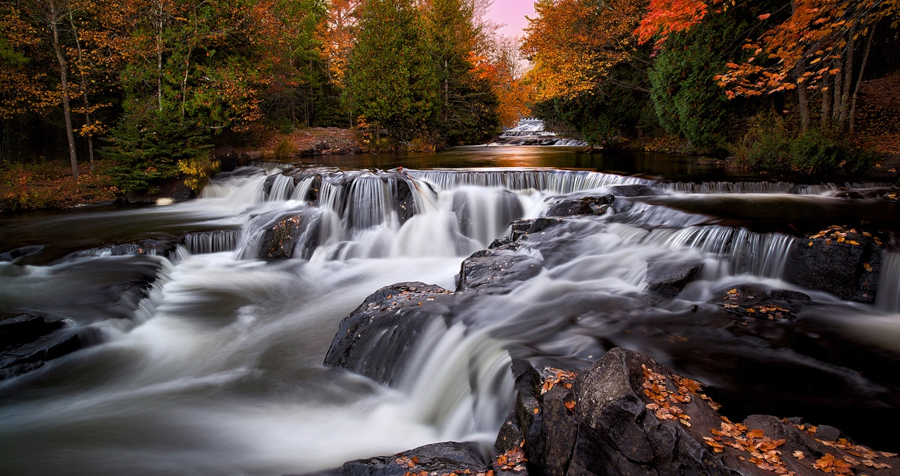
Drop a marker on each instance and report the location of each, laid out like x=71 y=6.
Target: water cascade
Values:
x=209 y=359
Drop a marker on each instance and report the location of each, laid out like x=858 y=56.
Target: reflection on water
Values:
x=673 y=167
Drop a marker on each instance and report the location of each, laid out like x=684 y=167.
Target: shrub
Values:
x=770 y=146
x=147 y=145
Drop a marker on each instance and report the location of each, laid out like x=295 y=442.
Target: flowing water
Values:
x=214 y=367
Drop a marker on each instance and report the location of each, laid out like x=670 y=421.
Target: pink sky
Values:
x=512 y=13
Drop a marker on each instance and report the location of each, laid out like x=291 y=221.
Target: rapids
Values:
x=216 y=369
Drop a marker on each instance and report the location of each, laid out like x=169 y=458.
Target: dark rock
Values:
x=27 y=342
x=380 y=333
x=438 y=458
x=757 y=302
x=838 y=261
x=510 y=436
x=166 y=246
x=522 y=228
x=227 y=158
x=668 y=278
x=291 y=235
x=581 y=206
x=22 y=252
x=632 y=416
x=561 y=430
x=24 y=328
x=635 y=190
x=494 y=271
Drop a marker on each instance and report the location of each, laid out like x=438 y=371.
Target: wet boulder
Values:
x=669 y=279
x=844 y=262
x=521 y=228
x=590 y=205
x=27 y=342
x=627 y=414
x=446 y=458
x=291 y=236
x=633 y=190
x=379 y=335
x=23 y=252
x=756 y=302
x=164 y=245
x=494 y=271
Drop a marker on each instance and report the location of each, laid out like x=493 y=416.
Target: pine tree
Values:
x=391 y=81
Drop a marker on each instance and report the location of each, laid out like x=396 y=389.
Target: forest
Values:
x=775 y=84
x=142 y=90
x=152 y=85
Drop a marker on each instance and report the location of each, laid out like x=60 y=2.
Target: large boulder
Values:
x=590 y=205
x=670 y=278
x=494 y=271
x=385 y=329
x=448 y=458
x=628 y=415
x=27 y=342
x=840 y=261
x=295 y=235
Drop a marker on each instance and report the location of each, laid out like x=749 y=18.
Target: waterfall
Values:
x=212 y=241
x=223 y=334
x=758 y=254
x=888 y=298
x=551 y=181
x=282 y=188
x=764 y=187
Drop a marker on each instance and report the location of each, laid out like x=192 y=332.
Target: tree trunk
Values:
x=826 y=103
x=64 y=85
x=838 y=87
x=848 y=81
x=159 y=55
x=862 y=71
x=803 y=101
x=84 y=92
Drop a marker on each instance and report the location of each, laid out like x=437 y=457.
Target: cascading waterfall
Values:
x=888 y=298
x=764 y=187
x=550 y=181
x=217 y=370
x=282 y=188
x=203 y=242
x=746 y=252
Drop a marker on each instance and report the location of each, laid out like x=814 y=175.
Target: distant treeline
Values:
x=149 y=84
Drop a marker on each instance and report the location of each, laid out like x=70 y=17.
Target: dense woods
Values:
x=151 y=85
x=141 y=90
x=775 y=83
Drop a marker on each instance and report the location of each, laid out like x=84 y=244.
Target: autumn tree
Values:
x=587 y=68
x=37 y=24
x=804 y=46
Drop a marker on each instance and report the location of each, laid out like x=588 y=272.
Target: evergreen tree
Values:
x=467 y=106
x=391 y=80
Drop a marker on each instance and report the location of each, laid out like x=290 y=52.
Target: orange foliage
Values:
x=573 y=44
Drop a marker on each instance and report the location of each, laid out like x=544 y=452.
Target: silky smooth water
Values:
x=218 y=369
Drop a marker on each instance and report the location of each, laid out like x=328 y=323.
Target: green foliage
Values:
x=391 y=78
x=284 y=149
x=769 y=145
x=147 y=146
x=467 y=107
x=687 y=100
x=617 y=109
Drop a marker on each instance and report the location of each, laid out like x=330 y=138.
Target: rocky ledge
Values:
x=628 y=415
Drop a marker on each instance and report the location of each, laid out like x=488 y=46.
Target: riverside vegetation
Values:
x=144 y=89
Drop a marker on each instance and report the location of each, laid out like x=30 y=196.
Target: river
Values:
x=209 y=359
